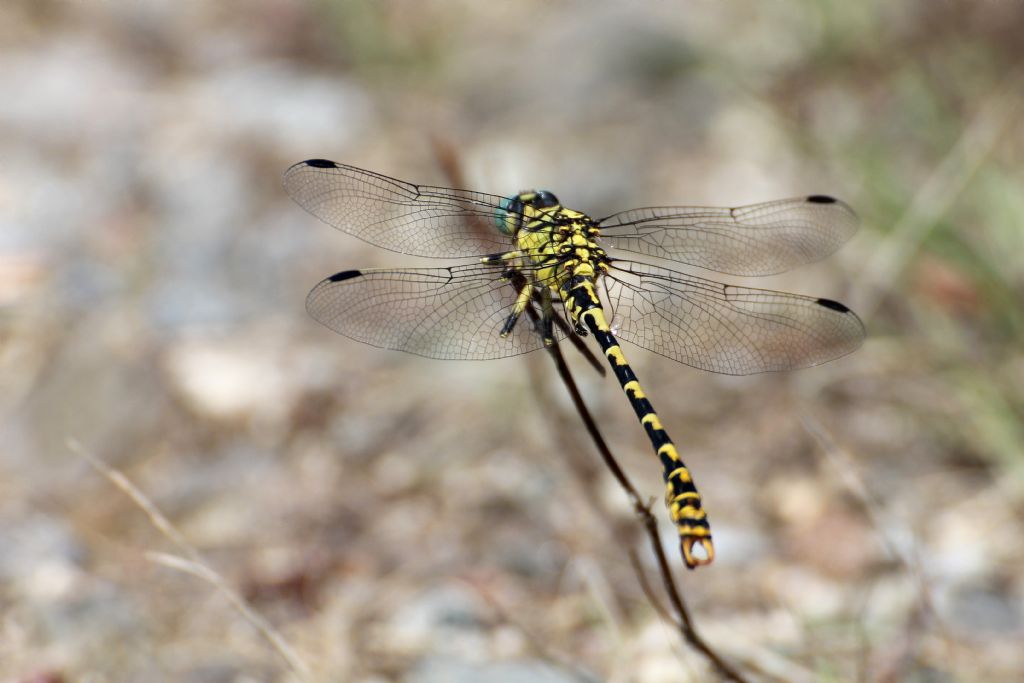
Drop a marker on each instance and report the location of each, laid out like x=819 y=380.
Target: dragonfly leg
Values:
x=497 y=259
x=522 y=301
x=547 y=317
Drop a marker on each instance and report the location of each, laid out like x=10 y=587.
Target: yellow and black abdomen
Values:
x=681 y=495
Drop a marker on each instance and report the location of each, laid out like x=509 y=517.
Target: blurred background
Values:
x=401 y=519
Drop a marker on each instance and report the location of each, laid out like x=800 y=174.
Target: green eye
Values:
x=509 y=215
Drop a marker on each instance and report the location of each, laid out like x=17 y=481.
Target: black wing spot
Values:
x=821 y=199
x=321 y=163
x=345 y=275
x=834 y=305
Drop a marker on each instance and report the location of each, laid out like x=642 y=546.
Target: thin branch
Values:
x=449 y=160
x=684 y=622
x=577 y=341
x=646 y=587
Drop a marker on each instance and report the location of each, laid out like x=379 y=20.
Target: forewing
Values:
x=419 y=220
x=726 y=329
x=448 y=313
x=759 y=239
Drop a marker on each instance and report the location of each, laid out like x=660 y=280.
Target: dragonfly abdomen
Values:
x=681 y=495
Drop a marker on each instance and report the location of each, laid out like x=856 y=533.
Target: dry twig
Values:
x=449 y=161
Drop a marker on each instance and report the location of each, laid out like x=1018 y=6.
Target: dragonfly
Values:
x=528 y=251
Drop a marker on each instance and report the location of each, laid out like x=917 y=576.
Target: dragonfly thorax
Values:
x=556 y=248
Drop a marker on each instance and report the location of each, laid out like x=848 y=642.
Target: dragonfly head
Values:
x=512 y=210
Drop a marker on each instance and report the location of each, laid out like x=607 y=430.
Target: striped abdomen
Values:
x=681 y=495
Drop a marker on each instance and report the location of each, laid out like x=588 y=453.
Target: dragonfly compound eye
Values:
x=544 y=199
x=509 y=216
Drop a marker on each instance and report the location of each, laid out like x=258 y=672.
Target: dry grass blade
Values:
x=192 y=562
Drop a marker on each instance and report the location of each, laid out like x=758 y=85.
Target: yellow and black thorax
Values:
x=557 y=247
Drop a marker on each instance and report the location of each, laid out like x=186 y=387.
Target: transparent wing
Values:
x=448 y=313
x=419 y=220
x=760 y=239
x=726 y=329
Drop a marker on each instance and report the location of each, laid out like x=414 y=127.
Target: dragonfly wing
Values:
x=726 y=329
x=759 y=239
x=419 y=220
x=448 y=313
